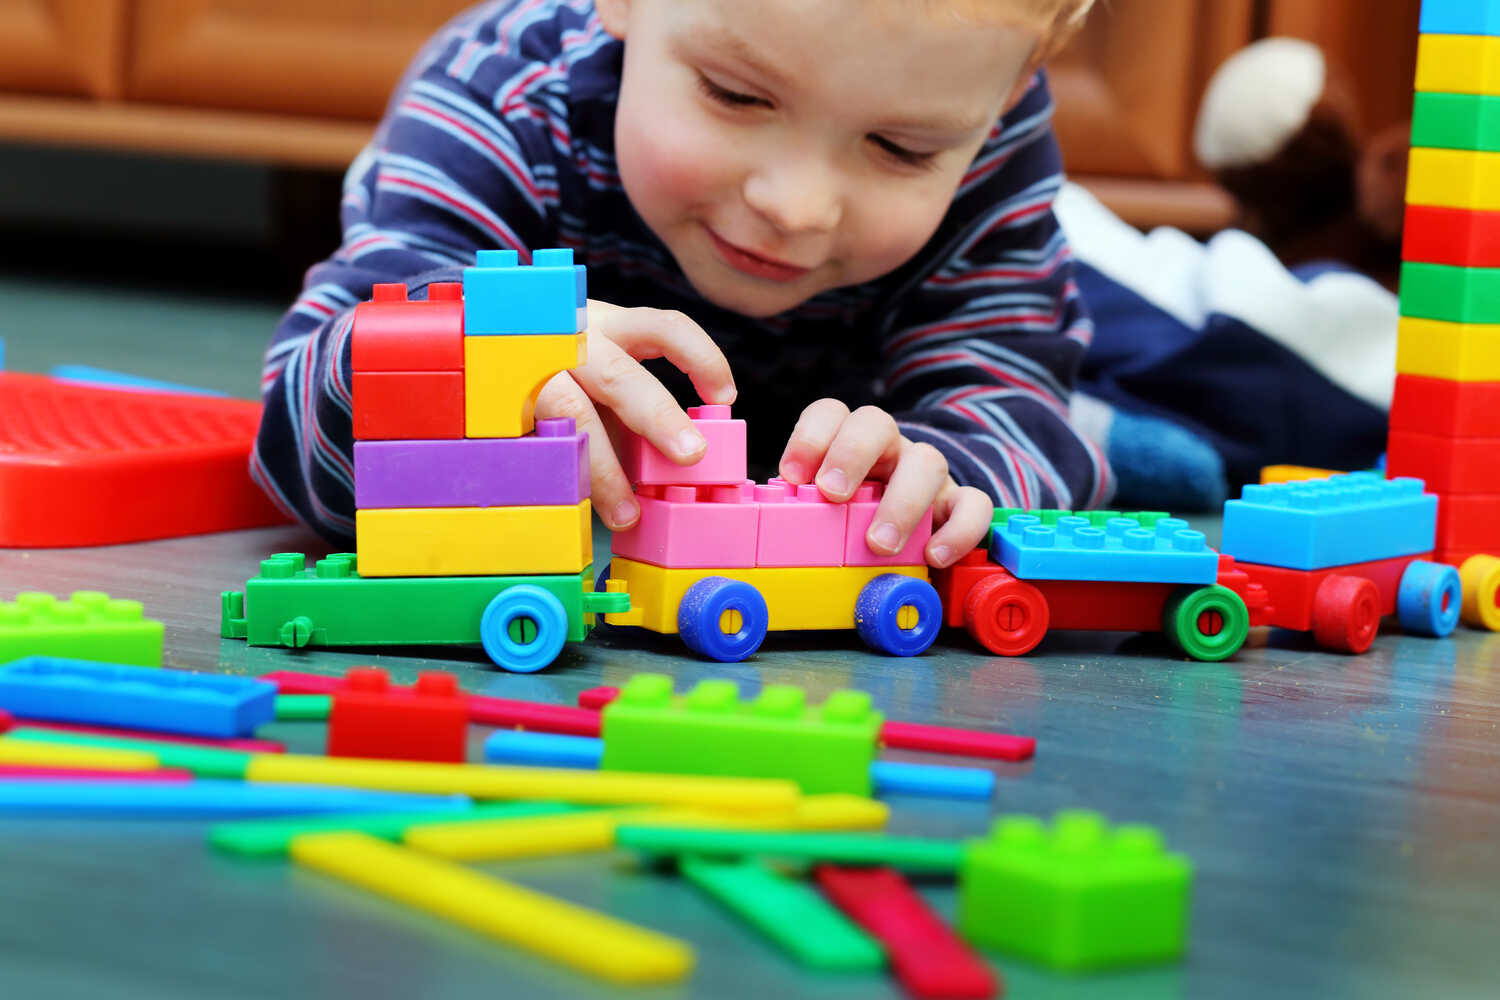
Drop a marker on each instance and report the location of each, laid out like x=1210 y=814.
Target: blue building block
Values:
x=502 y=297
x=202 y=799
x=1460 y=17
x=1056 y=545
x=108 y=694
x=1318 y=523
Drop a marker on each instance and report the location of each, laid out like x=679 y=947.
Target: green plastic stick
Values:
x=305 y=707
x=912 y=854
x=205 y=762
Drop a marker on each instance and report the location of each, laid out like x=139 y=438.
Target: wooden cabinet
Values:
x=62 y=46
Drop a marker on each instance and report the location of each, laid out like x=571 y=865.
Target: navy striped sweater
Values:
x=502 y=135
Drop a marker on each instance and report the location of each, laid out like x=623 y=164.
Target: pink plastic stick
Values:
x=19 y=772
x=249 y=745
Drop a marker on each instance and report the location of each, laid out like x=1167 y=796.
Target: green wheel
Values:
x=1206 y=623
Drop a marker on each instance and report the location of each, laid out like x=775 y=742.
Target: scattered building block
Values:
x=149 y=698
x=236 y=743
x=503 y=377
x=933 y=781
x=1458 y=64
x=1456 y=121
x=546 y=468
x=1445 y=407
x=1317 y=524
x=198 y=799
x=857 y=551
x=393 y=334
x=1447 y=464
x=502 y=296
x=88 y=625
x=798 y=526
x=1459 y=237
x=692 y=527
x=910 y=854
x=1076 y=896
x=19 y=772
x=372 y=719
x=390 y=406
x=1144 y=548
x=1463 y=352
x=711 y=730
x=20 y=750
x=723 y=462
x=474 y=541
x=203 y=761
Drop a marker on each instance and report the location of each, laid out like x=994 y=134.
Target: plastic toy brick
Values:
x=798 y=526
x=789 y=913
x=722 y=464
x=1469 y=521
x=1458 y=64
x=1344 y=519
x=371 y=719
x=1460 y=17
x=250 y=745
x=582 y=939
x=1452 y=178
x=203 y=761
x=87 y=626
x=22 y=750
x=928 y=958
x=1463 y=352
x=1293 y=474
x=1456 y=294
x=393 y=406
x=1124 y=548
x=1079 y=895
x=272 y=838
x=692 y=527
x=520 y=746
x=474 y=541
x=1459 y=237
x=188 y=800
x=146 y=697
x=303 y=707
x=711 y=730
x=1446 y=407
x=82 y=465
x=503 y=376
x=392 y=334
x=910 y=854
x=857 y=551
x=1456 y=121
x=18 y=772
x=502 y=296
x=548 y=467
x=1447 y=464
x=1481 y=590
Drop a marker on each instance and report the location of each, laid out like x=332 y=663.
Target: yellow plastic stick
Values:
x=482 y=781
x=590 y=942
x=37 y=754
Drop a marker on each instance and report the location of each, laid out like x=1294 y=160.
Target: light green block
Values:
x=1456 y=121
x=1455 y=294
x=87 y=626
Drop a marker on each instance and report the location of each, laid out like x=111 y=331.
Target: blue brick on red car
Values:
x=1101 y=545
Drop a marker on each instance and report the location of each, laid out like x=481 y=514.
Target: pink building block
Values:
x=857 y=551
x=798 y=526
x=723 y=462
x=696 y=527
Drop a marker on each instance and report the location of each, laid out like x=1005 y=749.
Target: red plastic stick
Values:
x=12 y=772
x=926 y=956
x=902 y=735
x=5 y=720
x=248 y=745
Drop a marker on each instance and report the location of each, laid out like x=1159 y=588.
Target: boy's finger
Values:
x=667 y=333
x=867 y=440
x=962 y=515
x=816 y=428
x=615 y=379
x=609 y=489
x=914 y=484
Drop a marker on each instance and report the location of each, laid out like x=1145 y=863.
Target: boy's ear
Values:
x=613 y=14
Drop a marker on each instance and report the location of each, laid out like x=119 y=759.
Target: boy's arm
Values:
x=982 y=353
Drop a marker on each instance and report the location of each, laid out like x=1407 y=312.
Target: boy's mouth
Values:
x=754 y=264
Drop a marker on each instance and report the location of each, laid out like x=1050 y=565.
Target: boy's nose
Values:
x=795 y=199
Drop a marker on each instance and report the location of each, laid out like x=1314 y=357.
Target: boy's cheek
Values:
x=665 y=163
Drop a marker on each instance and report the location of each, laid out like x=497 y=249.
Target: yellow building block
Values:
x=504 y=374
x=587 y=941
x=38 y=754
x=474 y=541
x=1453 y=178
x=1292 y=474
x=798 y=597
x=1461 y=352
x=1458 y=64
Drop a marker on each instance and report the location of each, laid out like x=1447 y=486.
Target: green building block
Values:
x=330 y=604
x=711 y=731
x=1077 y=896
x=1456 y=121
x=1455 y=294
x=87 y=626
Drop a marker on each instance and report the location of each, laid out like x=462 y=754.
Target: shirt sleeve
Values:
x=463 y=160
x=980 y=357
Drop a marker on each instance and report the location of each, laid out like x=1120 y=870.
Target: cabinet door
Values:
x=337 y=58
x=62 y=46
x=1127 y=88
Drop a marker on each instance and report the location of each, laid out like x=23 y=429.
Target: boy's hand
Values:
x=838 y=450
x=614 y=386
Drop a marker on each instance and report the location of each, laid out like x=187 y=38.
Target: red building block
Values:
x=1460 y=237
x=1469 y=521
x=408 y=406
x=1446 y=406
x=372 y=719
x=392 y=334
x=1447 y=464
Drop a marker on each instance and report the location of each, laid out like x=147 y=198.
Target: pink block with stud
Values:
x=693 y=527
x=798 y=526
x=857 y=551
x=723 y=462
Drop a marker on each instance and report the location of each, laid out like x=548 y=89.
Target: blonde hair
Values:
x=1056 y=21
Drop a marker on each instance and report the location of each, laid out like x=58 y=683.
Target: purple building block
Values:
x=550 y=466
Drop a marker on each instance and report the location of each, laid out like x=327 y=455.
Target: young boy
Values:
x=840 y=198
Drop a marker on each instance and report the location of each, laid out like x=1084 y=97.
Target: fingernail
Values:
x=689 y=443
x=835 y=482
x=793 y=472
x=626 y=511
x=886 y=536
x=941 y=554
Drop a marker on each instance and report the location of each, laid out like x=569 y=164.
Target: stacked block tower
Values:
x=453 y=474
x=1445 y=417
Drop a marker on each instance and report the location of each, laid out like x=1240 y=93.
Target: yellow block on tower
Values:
x=503 y=375
x=474 y=541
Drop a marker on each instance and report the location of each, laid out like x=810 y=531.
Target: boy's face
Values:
x=780 y=148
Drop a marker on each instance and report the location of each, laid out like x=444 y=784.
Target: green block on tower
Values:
x=1077 y=896
x=1456 y=121
x=1455 y=294
x=712 y=731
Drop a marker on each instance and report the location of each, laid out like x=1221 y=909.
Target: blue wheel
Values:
x=899 y=615
x=1429 y=599
x=523 y=628
x=723 y=619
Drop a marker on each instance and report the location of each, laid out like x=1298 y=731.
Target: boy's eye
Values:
x=727 y=97
x=910 y=157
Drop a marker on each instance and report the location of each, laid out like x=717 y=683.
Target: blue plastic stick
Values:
x=201 y=799
x=89 y=375
x=518 y=746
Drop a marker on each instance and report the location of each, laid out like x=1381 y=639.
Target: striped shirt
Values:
x=502 y=135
